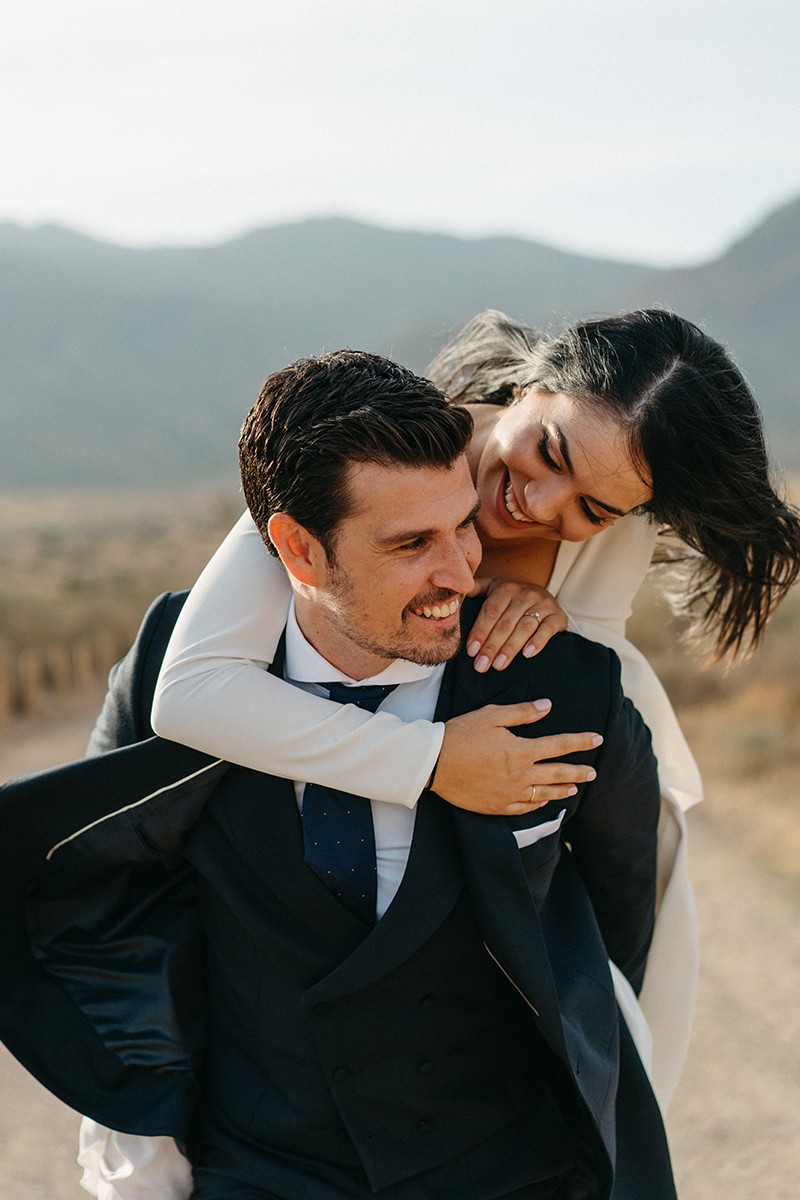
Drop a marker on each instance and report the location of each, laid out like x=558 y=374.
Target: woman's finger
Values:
x=511 y=618
x=485 y=768
x=517 y=627
x=493 y=616
x=539 y=794
x=543 y=627
x=550 y=625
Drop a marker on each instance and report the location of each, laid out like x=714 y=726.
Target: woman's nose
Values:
x=544 y=500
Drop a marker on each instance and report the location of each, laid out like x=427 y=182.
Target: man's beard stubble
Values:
x=402 y=647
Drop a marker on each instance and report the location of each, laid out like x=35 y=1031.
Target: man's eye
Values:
x=417 y=544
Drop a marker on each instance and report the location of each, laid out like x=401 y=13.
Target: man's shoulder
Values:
x=158 y=622
x=565 y=652
x=579 y=676
x=568 y=666
x=576 y=651
x=125 y=716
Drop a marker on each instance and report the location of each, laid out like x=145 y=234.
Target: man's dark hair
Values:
x=317 y=416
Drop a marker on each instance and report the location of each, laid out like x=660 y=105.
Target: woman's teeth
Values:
x=437 y=611
x=512 y=508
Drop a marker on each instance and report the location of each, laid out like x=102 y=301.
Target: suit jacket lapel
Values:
x=432 y=882
x=269 y=835
x=509 y=917
x=492 y=862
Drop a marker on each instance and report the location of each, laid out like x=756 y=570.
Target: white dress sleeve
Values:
x=596 y=582
x=214 y=692
x=127 y=1166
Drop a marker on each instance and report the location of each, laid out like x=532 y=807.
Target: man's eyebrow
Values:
x=404 y=535
x=410 y=535
x=476 y=508
x=563 y=446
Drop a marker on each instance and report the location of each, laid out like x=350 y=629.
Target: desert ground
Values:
x=735 y=1123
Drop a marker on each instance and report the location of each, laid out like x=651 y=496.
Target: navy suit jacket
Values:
x=98 y=899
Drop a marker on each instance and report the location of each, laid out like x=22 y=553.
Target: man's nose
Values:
x=456 y=568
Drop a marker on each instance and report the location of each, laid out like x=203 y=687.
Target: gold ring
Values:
x=533 y=794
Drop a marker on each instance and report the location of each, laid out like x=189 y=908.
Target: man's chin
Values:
x=442 y=650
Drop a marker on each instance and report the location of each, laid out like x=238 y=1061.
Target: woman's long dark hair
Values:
x=694 y=431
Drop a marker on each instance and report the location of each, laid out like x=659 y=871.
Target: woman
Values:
x=615 y=427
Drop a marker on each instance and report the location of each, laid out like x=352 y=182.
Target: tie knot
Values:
x=368 y=697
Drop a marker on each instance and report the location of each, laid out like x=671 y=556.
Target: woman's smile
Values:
x=548 y=469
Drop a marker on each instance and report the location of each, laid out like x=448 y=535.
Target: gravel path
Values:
x=735 y=1123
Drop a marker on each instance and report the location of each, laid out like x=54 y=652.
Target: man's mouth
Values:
x=437 y=612
x=511 y=505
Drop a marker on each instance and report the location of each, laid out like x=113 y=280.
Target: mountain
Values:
x=136 y=366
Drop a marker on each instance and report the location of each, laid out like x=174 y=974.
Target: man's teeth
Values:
x=437 y=611
x=512 y=508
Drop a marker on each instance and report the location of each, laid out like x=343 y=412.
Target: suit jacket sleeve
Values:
x=613 y=835
x=151 y=1165
x=125 y=715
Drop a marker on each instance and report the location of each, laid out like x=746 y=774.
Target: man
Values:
x=464 y=1045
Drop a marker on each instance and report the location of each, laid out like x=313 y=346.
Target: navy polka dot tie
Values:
x=338 y=837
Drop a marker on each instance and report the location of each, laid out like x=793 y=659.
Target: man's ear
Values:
x=300 y=552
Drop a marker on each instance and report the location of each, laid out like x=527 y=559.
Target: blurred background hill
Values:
x=135 y=366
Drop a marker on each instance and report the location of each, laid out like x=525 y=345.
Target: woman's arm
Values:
x=214 y=694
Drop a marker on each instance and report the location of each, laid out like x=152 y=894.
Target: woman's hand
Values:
x=514 y=617
x=485 y=768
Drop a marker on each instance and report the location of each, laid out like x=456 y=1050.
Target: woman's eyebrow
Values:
x=563 y=446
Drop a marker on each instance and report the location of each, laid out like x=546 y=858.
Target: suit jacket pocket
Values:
x=537 y=833
x=540 y=856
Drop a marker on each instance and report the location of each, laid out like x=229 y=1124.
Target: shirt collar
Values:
x=304 y=664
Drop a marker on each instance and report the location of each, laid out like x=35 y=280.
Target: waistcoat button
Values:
x=427 y=1001
x=340 y=1074
x=425 y=1067
x=323 y=1007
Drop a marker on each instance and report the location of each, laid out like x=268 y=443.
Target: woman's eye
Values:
x=544 y=450
x=592 y=516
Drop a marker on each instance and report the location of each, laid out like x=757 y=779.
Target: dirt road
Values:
x=735 y=1124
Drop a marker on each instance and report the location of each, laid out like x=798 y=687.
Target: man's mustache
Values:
x=429 y=599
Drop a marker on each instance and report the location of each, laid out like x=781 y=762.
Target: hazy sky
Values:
x=656 y=132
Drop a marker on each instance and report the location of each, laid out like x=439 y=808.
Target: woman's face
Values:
x=551 y=468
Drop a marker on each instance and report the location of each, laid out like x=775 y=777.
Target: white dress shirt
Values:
x=416 y=691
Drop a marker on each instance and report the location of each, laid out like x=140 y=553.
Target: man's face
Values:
x=403 y=560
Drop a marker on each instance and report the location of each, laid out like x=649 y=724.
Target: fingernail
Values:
x=499 y=662
x=473 y=648
x=528 y=651
x=542 y=705
x=597 y=740
x=482 y=663
x=591 y=773
x=572 y=791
